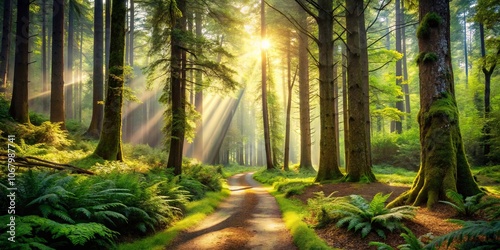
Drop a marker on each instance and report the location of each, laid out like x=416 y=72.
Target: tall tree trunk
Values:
x=466 y=57
x=4 y=52
x=178 y=124
x=290 y=84
x=359 y=164
x=397 y=126
x=69 y=101
x=45 y=84
x=198 y=98
x=95 y=126
x=328 y=158
x=488 y=72
x=57 y=113
x=110 y=143
x=265 y=113
x=304 y=90
x=345 y=108
x=444 y=165
x=406 y=88
x=19 y=103
x=107 y=41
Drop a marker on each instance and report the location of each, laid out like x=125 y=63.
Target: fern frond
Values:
x=477 y=231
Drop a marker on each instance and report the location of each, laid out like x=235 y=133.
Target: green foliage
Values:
x=473 y=204
x=61 y=235
x=47 y=134
x=401 y=150
x=356 y=213
x=412 y=242
x=473 y=235
x=430 y=20
x=210 y=176
x=290 y=188
x=319 y=206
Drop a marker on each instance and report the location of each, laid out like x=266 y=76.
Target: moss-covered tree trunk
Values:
x=443 y=162
x=57 y=113
x=110 y=143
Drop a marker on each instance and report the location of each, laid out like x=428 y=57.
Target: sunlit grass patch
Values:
x=231 y=170
x=394 y=175
x=488 y=177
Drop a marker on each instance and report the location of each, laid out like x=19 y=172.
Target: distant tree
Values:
x=110 y=143
x=304 y=94
x=19 y=103
x=397 y=126
x=4 y=52
x=57 y=113
x=95 y=126
x=265 y=113
x=70 y=85
x=444 y=165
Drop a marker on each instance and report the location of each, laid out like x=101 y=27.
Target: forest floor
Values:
x=427 y=221
x=248 y=219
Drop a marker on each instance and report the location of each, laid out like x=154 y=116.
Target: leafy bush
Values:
x=356 y=213
x=50 y=134
x=210 y=176
x=290 y=188
x=402 y=150
x=473 y=235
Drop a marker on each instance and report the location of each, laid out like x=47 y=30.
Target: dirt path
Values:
x=248 y=219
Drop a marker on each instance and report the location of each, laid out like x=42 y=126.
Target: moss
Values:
x=426 y=57
x=444 y=106
x=430 y=20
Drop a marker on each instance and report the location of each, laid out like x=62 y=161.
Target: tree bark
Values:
x=304 y=99
x=57 y=113
x=19 y=103
x=397 y=126
x=265 y=113
x=359 y=155
x=198 y=98
x=95 y=127
x=69 y=89
x=110 y=143
x=45 y=84
x=4 y=52
x=444 y=165
x=328 y=159
x=178 y=124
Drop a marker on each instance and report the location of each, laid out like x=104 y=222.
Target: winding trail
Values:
x=248 y=219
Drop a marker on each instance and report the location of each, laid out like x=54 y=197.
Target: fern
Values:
x=473 y=234
x=471 y=205
x=359 y=215
x=412 y=242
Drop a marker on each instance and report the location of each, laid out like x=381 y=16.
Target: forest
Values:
x=253 y=124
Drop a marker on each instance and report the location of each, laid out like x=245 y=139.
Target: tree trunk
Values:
x=265 y=115
x=57 y=113
x=406 y=88
x=304 y=90
x=45 y=84
x=397 y=126
x=345 y=108
x=178 y=124
x=290 y=84
x=444 y=165
x=359 y=164
x=110 y=143
x=4 y=52
x=328 y=158
x=69 y=89
x=19 y=103
x=95 y=126
x=198 y=98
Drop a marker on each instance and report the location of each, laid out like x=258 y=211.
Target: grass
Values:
x=195 y=212
x=394 y=175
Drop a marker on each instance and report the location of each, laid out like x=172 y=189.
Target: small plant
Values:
x=473 y=235
x=357 y=214
x=471 y=205
x=412 y=242
x=320 y=206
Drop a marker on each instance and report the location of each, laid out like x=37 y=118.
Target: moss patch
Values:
x=426 y=57
x=430 y=20
x=444 y=106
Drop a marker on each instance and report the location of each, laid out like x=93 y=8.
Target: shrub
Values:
x=412 y=242
x=356 y=213
x=210 y=176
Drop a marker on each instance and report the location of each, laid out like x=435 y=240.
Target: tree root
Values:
x=31 y=162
